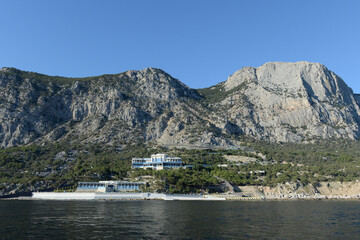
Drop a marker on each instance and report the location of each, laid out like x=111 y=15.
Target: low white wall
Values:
x=100 y=196
x=109 y=196
x=91 y=196
x=192 y=197
x=63 y=196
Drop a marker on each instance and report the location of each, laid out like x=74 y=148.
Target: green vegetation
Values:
x=61 y=166
x=54 y=79
x=333 y=160
x=30 y=165
x=187 y=180
x=217 y=93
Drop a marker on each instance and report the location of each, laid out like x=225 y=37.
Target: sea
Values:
x=40 y=219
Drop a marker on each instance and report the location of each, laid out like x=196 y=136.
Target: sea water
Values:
x=179 y=219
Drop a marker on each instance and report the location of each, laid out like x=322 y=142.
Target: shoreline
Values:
x=121 y=196
x=286 y=191
x=76 y=196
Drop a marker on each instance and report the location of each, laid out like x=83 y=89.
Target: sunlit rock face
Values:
x=292 y=102
x=276 y=101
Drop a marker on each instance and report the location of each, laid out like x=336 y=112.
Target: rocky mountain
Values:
x=112 y=109
x=276 y=101
x=290 y=102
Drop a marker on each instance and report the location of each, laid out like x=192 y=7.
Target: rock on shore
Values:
x=323 y=190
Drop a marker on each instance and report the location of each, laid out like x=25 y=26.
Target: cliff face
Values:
x=289 y=102
x=114 y=109
x=277 y=102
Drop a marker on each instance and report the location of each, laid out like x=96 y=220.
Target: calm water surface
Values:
x=179 y=220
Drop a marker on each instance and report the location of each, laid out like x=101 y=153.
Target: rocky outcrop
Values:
x=323 y=190
x=276 y=101
x=120 y=109
x=357 y=98
x=289 y=102
x=298 y=190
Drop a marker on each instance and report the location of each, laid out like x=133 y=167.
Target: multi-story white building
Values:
x=157 y=162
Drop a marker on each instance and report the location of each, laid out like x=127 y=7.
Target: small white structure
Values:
x=157 y=162
x=109 y=186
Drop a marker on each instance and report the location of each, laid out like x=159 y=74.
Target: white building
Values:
x=157 y=162
x=109 y=186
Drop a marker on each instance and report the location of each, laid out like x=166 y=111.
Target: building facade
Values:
x=110 y=186
x=157 y=162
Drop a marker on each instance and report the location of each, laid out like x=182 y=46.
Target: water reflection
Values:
x=179 y=220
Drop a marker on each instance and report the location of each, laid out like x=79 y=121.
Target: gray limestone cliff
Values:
x=276 y=101
x=113 y=109
x=289 y=102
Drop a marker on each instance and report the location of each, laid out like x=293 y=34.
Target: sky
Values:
x=199 y=42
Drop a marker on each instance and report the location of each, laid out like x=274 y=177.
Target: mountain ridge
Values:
x=278 y=101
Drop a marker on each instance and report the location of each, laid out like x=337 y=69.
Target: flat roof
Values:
x=114 y=182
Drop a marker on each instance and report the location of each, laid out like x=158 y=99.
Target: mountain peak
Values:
x=287 y=98
x=277 y=74
x=277 y=101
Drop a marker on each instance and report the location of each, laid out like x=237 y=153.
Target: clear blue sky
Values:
x=199 y=42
